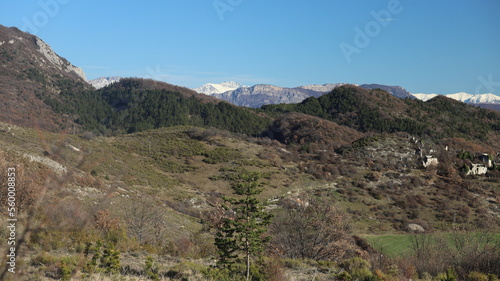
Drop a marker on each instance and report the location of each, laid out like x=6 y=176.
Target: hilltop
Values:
x=29 y=71
x=377 y=111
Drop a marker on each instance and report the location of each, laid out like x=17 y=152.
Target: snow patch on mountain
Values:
x=464 y=97
x=322 y=88
x=424 y=97
x=485 y=98
x=212 y=88
x=102 y=82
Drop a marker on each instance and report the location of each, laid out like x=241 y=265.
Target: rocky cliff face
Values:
x=262 y=94
x=23 y=52
x=396 y=91
x=325 y=88
x=55 y=60
x=259 y=95
x=30 y=70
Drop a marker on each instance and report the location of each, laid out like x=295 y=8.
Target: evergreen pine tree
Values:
x=242 y=233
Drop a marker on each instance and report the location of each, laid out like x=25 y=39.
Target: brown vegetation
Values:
x=312 y=229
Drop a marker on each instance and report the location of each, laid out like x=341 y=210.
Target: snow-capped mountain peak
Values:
x=424 y=97
x=485 y=98
x=102 y=82
x=463 y=97
x=212 y=88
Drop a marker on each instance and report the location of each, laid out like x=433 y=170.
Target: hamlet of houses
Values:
x=483 y=162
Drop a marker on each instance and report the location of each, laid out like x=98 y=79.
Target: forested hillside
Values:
x=377 y=111
x=133 y=105
x=29 y=69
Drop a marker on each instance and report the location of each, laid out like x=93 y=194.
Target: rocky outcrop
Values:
x=262 y=94
x=31 y=73
x=56 y=60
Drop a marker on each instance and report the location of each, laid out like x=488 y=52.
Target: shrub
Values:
x=110 y=260
x=221 y=154
x=492 y=277
x=193 y=246
x=449 y=275
x=274 y=270
x=65 y=271
x=151 y=270
x=220 y=274
x=294 y=264
x=58 y=268
x=105 y=259
x=43 y=259
x=477 y=276
x=186 y=270
x=359 y=269
x=343 y=276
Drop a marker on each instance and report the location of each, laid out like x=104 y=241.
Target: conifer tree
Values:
x=241 y=234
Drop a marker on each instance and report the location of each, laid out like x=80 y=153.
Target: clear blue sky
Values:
x=425 y=46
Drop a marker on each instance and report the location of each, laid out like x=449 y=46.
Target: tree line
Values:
x=129 y=108
x=379 y=112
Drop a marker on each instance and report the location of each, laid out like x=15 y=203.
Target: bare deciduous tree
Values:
x=143 y=221
x=312 y=230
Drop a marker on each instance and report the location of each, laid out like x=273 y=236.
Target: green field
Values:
x=397 y=245
x=392 y=245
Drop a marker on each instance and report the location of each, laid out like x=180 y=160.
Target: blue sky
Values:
x=425 y=46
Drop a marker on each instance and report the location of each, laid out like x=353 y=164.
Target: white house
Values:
x=477 y=169
x=430 y=161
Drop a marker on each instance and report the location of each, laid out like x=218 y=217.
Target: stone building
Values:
x=477 y=169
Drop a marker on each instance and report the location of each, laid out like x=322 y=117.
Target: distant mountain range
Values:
x=489 y=101
x=40 y=89
x=263 y=94
x=464 y=97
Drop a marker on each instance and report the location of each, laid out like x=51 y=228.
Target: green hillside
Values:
x=135 y=105
x=377 y=111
